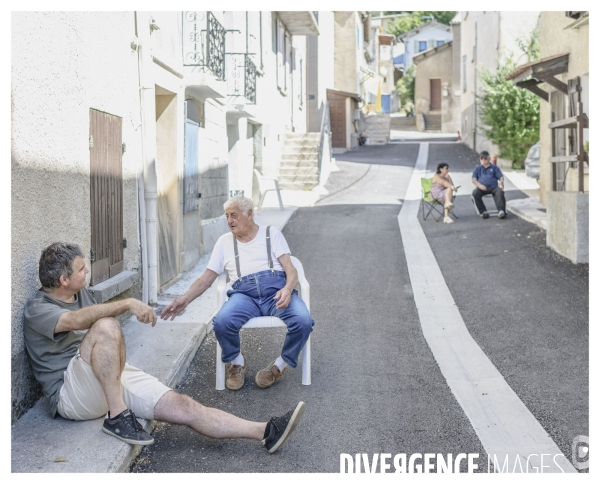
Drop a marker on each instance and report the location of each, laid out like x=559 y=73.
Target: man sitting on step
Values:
x=77 y=353
x=258 y=261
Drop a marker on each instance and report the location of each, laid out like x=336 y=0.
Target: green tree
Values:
x=413 y=19
x=405 y=87
x=510 y=115
x=530 y=45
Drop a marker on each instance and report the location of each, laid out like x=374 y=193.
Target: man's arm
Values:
x=481 y=186
x=284 y=295
x=85 y=317
x=196 y=290
x=500 y=177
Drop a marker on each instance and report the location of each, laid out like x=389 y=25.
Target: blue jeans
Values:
x=252 y=296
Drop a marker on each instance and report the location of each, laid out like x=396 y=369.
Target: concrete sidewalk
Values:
x=42 y=444
x=530 y=208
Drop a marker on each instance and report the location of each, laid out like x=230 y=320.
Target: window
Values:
x=440 y=42
x=106 y=195
x=464 y=73
x=287 y=59
x=422 y=45
x=280 y=39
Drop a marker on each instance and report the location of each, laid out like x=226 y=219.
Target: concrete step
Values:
x=295 y=163
x=296 y=136
x=300 y=171
x=311 y=157
x=433 y=122
x=298 y=185
x=299 y=143
x=300 y=149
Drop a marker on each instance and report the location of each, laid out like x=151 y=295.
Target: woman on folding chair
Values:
x=443 y=190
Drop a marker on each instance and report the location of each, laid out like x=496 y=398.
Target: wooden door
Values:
x=337 y=112
x=106 y=195
x=435 y=95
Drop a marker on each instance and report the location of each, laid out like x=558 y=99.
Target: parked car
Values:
x=532 y=162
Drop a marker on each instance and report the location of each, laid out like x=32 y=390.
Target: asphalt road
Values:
x=376 y=387
x=526 y=306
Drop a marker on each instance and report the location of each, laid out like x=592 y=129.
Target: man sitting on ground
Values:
x=77 y=353
x=489 y=180
x=257 y=259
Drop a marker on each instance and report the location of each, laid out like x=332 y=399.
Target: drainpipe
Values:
x=148 y=209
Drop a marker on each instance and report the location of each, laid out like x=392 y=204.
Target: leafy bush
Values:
x=510 y=115
x=405 y=87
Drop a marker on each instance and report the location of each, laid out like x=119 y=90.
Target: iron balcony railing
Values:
x=241 y=77
x=203 y=42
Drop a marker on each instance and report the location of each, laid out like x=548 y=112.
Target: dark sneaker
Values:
x=126 y=427
x=265 y=378
x=501 y=214
x=484 y=215
x=235 y=376
x=279 y=428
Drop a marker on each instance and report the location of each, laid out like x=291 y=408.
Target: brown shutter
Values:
x=106 y=195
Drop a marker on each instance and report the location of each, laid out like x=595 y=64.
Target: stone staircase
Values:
x=299 y=168
x=403 y=123
x=433 y=122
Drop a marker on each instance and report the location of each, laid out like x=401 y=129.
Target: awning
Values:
x=528 y=76
x=347 y=94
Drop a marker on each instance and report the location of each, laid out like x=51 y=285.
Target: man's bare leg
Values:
x=176 y=408
x=104 y=349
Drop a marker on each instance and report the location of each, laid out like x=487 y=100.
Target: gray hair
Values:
x=245 y=204
x=57 y=260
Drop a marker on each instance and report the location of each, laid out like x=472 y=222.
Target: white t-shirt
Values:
x=253 y=254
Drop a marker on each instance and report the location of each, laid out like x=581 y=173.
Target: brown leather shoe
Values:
x=265 y=378
x=235 y=376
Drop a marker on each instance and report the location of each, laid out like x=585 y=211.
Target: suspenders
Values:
x=237 y=255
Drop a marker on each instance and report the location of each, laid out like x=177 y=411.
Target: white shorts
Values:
x=81 y=397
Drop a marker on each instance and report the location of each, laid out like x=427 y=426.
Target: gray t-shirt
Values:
x=50 y=352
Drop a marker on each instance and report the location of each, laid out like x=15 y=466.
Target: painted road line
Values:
x=507 y=429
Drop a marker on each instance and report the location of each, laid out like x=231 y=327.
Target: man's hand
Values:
x=145 y=314
x=482 y=187
x=174 y=308
x=283 y=298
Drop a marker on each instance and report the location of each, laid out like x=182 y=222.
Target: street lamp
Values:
x=428 y=16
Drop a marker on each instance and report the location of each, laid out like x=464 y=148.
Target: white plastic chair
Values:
x=265 y=322
x=490 y=212
x=266 y=185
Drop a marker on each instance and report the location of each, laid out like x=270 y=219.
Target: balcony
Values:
x=300 y=23
x=241 y=85
x=203 y=43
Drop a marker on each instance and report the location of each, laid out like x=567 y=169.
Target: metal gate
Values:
x=106 y=195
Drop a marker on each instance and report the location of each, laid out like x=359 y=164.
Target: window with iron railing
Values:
x=241 y=76
x=203 y=42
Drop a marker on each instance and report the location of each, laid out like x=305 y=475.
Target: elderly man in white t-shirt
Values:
x=257 y=259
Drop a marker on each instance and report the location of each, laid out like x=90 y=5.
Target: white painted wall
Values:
x=63 y=64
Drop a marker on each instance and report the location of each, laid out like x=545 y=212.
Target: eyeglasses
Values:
x=484 y=158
